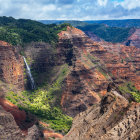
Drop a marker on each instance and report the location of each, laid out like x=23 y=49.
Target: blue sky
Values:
x=71 y=9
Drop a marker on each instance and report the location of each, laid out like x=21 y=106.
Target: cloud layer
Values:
x=71 y=9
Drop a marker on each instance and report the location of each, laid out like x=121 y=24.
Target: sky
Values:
x=71 y=9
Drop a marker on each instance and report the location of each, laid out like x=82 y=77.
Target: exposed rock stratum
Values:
x=114 y=119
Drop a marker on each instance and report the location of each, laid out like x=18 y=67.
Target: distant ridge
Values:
x=112 y=23
x=118 y=23
x=74 y=23
x=115 y=31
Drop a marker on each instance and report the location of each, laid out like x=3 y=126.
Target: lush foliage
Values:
x=45 y=103
x=110 y=34
x=25 y=31
x=119 y=23
x=130 y=88
x=10 y=37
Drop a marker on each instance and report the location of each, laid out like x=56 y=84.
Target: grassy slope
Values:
x=130 y=88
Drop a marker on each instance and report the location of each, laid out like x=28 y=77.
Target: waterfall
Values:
x=29 y=74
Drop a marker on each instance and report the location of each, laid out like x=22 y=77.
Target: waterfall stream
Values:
x=29 y=73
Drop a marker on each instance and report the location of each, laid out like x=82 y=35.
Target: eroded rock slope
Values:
x=114 y=119
x=8 y=127
x=11 y=66
x=93 y=66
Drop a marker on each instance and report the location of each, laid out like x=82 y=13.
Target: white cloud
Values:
x=50 y=7
x=102 y=2
x=130 y=4
x=70 y=9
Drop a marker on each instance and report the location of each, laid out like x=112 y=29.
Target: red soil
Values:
x=44 y=124
x=19 y=115
x=51 y=134
x=3 y=43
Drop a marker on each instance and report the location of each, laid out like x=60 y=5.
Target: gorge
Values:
x=73 y=77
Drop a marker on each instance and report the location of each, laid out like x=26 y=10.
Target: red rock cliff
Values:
x=94 y=65
x=11 y=66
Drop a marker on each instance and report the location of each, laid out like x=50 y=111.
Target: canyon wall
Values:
x=11 y=66
x=8 y=127
x=134 y=39
x=114 y=119
x=85 y=84
x=93 y=66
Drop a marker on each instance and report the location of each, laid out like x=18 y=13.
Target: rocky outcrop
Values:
x=14 y=124
x=34 y=133
x=8 y=127
x=11 y=66
x=115 y=118
x=19 y=116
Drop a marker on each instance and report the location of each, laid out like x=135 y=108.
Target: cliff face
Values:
x=113 y=119
x=8 y=127
x=122 y=62
x=134 y=39
x=84 y=80
x=93 y=66
x=11 y=66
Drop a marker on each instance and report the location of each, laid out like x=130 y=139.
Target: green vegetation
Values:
x=21 y=31
x=74 y=23
x=10 y=37
x=130 y=88
x=111 y=23
x=119 y=23
x=110 y=34
x=45 y=103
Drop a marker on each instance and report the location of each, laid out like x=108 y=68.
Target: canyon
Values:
x=95 y=66
x=92 y=74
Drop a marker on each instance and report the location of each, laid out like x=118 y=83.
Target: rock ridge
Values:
x=115 y=118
